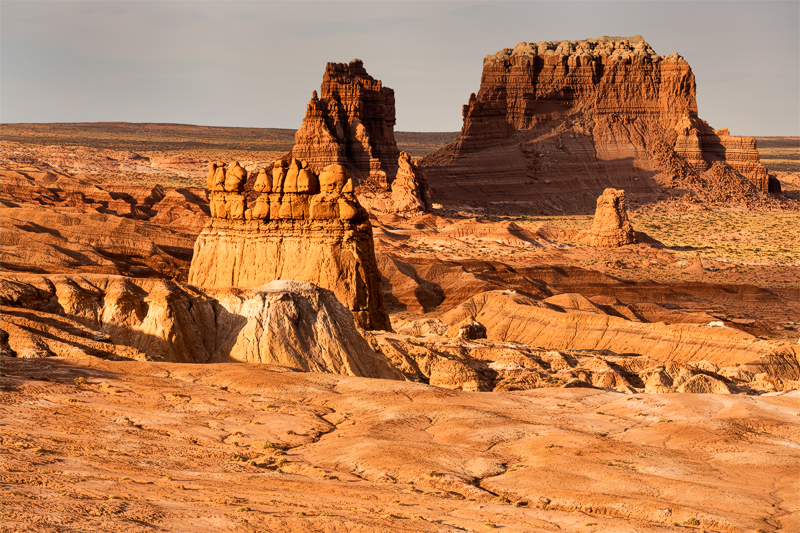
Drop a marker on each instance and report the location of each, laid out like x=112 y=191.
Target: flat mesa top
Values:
x=596 y=47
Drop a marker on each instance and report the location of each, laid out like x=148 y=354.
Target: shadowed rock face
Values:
x=303 y=226
x=556 y=122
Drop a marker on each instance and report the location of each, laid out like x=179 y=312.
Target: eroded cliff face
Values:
x=303 y=226
x=554 y=123
x=351 y=123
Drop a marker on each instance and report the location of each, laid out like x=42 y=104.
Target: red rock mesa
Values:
x=554 y=123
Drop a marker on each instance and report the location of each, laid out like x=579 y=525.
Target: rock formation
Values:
x=610 y=227
x=287 y=323
x=700 y=145
x=519 y=318
x=554 y=123
x=303 y=226
x=462 y=363
x=351 y=123
x=407 y=195
x=52 y=222
x=410 y=189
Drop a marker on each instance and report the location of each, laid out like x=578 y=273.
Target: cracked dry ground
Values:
x=131 y=446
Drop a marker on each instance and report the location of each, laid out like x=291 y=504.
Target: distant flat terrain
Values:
x=170 y=155
x=145 y=137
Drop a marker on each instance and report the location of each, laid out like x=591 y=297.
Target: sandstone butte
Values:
x=556 y=122
x=351 y=123
x=303 y=226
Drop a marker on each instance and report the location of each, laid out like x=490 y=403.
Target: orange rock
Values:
x=324 y=238
x=307 y=181
x=610 y=227
x=333 y=178
x=556 y=122
x=278 y=175
x=261 y=209
x=235 y=177
x=351 y=123
x=290 y=183
x=219 y=177
x=263 y=182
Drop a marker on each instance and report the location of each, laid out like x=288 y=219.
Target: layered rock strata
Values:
x=556 y=122
x=610 y=227
x=407 y=196
x=303 y=226
x=53 y=222
x=351 y=123
x=701 y=145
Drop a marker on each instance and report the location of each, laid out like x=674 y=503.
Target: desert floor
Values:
x=127 y=446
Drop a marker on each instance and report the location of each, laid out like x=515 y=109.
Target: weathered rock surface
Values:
x=287 y=323
x=304 y=226
x=51 y=222
x=407 y=196
x=495 y=365
x=515 y=317
x=420 y=456
x=610 y=227
x=556 y=122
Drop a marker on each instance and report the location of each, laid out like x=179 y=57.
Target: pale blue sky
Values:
x=255 y=63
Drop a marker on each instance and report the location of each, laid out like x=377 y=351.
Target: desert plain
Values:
x=579 y=318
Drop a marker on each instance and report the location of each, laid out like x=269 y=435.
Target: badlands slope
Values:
x=651 y=387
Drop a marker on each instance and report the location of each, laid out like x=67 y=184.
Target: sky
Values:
x=256 y=63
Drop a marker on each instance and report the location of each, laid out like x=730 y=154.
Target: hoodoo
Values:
x=304 y=226
x=610 y=227
x=556 y=122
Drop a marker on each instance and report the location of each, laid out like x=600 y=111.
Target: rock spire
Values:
x=351 y=123
x=610 y=227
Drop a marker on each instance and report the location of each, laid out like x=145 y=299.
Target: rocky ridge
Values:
x=288 y=323
x=53 y=222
